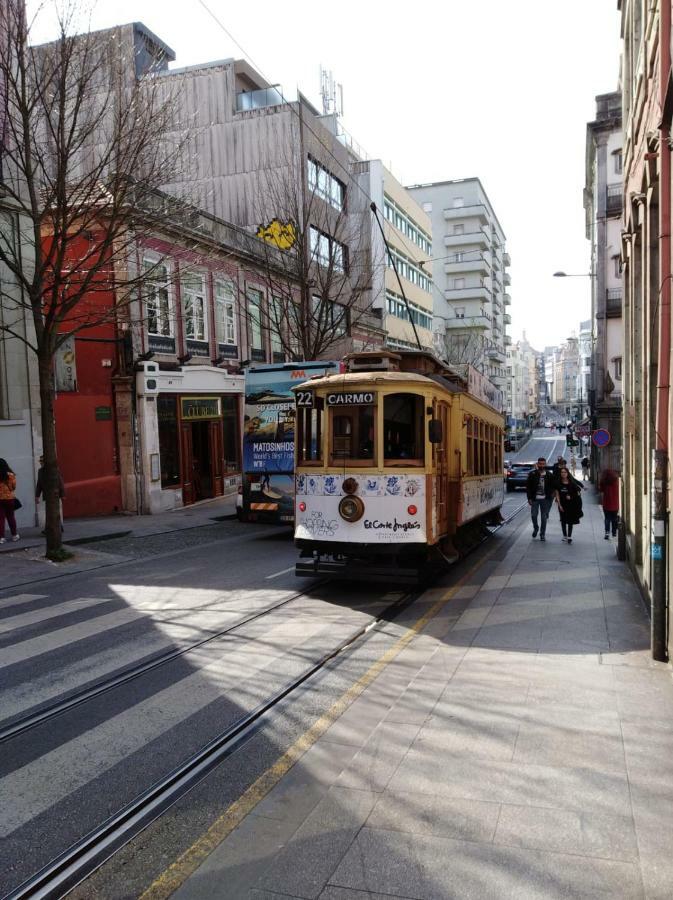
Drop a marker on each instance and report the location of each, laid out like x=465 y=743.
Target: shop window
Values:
x=352 y=435
x=231 y=444
x=309 y=433
x=403 y=438
x=169 y=451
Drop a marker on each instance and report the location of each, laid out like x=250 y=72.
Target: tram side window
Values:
x=352 y=435
x=469 y=452
x=309 y=433
x=403 y=438
x=475 y=446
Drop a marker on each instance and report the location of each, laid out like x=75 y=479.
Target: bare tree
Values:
x=317 y=262
x=463 y=348
x=83 y=154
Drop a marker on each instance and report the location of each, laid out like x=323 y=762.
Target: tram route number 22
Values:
x=304 y=398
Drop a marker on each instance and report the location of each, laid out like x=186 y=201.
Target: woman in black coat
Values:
x=568 y=495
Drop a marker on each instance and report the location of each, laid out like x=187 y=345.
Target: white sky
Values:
x=500 y=89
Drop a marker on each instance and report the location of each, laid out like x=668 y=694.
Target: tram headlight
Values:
x=351 y=508
x=302 y=507
x=412 y=510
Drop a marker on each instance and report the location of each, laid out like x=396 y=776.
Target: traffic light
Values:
x=569 y=440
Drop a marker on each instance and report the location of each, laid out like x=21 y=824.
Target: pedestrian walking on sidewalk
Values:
x=540 y=492
x=609 y=488
x=8 y=501
x=585 y=468
x=573 y=464
x=568 y=496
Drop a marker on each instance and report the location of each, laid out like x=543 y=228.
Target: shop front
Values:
x=190 y=424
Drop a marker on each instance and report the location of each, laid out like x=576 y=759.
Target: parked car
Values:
x=517 y=475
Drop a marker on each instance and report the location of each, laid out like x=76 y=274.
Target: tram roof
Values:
x=376 y=377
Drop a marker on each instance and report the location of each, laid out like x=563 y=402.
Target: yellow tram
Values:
x=398 y=463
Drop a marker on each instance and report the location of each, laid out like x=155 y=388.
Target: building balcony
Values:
x=613 y=303
x=478 y=238
x=466 y=323
x=506 y=260
x=478 y=266
x=613 y=199
x=507 y=279
x=496 y=352
x=454 y=295
x=259 y=99
x=478 y=211
x=507 y=319
x=508 y=340
x=506 y=299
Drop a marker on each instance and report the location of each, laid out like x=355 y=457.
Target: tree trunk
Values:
x=52 y=498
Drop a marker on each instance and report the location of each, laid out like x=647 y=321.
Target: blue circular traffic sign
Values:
x=601 y=437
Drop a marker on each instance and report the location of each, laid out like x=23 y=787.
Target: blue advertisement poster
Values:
x=269 y=416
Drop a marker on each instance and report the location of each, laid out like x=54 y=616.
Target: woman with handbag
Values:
x=8 y=502
x=568 y=496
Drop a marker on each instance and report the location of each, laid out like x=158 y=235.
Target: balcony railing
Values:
x=613 y=198
x=247 y=100
x=465 y=322
x=613 y=303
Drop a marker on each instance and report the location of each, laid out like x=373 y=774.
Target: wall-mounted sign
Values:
x=200 y=408
x=103 y=413
x=65 y=366
x=355 y=398
x=281 y=234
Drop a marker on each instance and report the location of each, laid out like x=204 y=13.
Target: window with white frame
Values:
x=618 y=160
x=618 y=368
x=225 y=311
x=325 y=185
x=254 y=298
x=458 y=284
x=458 y=202
x=276 y=324
x=460 y=312
x=326 y=250
x=194 y=307
x=459 y=228
x=616 y=262
x=158 y=306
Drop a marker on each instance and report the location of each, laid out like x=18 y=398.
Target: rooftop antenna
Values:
x=332 y=94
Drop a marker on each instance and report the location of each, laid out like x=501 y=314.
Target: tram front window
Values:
x=403 y=435
x=353 y=435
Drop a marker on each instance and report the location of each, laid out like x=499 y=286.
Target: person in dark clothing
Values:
x=568 y=496
x=586 y=465
x=7 y=501
x=540 y=493
x=41 y=485
x=609 y=488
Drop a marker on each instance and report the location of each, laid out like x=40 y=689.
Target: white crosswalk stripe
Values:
x=21 y=620
x=19 y=600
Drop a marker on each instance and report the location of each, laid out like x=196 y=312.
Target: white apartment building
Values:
x=470 y=275
x=584 y=382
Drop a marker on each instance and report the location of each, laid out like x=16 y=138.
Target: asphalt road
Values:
x=61 y=779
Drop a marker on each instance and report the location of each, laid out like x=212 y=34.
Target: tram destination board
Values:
x=351 y=398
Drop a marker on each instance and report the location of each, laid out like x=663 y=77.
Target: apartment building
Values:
x=408 y=232
x=522 y=383
x=603 y=213
x=584 y=385
x=471 y=281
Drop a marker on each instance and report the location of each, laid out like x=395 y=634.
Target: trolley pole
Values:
x=373 y=208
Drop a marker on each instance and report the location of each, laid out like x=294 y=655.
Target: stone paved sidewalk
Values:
x=520 y=746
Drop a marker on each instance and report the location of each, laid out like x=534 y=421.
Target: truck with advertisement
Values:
x=267 y=491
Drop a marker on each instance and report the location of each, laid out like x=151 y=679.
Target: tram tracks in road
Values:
x=14 y=727
x=86 y=855
x=80 y=860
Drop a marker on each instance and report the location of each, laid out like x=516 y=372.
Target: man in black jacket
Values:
x=540 y=491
